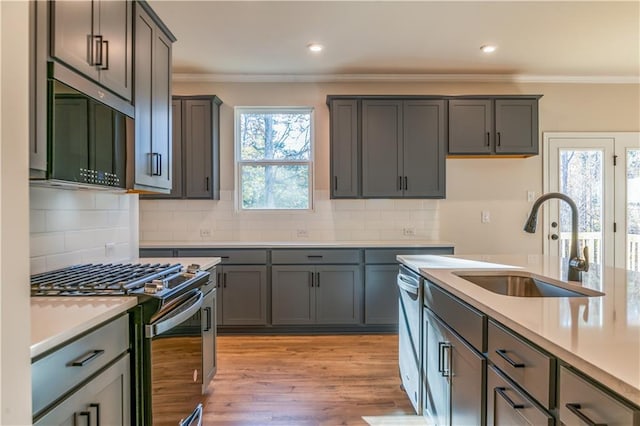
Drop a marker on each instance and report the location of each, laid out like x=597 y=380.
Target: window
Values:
x=274 y=158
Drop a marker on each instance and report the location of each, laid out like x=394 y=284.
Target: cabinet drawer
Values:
x=312 y=256
x=58 y=372
x=229 y=257
x=465 y=320
x=579 y=398
x=508 y=405
x=527 y=366
x=156 y=252
x=389 y=255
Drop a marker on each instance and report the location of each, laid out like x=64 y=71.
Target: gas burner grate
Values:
x=99 y=279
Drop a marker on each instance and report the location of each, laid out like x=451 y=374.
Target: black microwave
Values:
x=86 y=140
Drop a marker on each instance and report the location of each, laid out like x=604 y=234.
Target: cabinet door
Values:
x=470 y=126
x=244 y=295
x=293 y=295
x=161 y=107
x=72 y=35
x=344 y=148
x=104 y=400
x=208 y=317
x=338 y=294
x=198 y=148
x=380 y=294
x=153 y=112
x=507 y=405
x=467 y=378
x=516 y=126
x=424 y=148
x=115 y=29
x=436 y=392
x=381 y=147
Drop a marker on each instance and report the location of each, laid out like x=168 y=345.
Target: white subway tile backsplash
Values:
x=330 y=220
x=71 y=227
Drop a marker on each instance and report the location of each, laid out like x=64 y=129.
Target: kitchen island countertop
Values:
x=599 y=336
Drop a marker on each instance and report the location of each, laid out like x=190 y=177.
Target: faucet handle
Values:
x=586 y=258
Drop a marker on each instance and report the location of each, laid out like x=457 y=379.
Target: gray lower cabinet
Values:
x=327 y=294
x=242 y=298
x=152 y=66
x=209 y=349
x=454 y=376
x=493 y=126
x=90 y=373
x=105 y=400
x=380 y=294
x=508 y=405
x=403 y=148
x=582 y=402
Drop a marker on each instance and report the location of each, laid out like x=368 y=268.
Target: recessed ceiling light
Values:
x=315 y=47
x=488 y=48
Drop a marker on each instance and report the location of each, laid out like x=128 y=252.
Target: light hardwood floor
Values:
x=305 y=380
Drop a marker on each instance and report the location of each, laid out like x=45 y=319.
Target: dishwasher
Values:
x=410 y=334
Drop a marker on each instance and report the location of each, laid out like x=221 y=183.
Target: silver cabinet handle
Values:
x=86 y=358
x=97 y=407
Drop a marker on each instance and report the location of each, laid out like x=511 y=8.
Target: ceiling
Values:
x=267 y=40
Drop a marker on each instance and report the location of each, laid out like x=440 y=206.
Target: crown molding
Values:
x=402 y=78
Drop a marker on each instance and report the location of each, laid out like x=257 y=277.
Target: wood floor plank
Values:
x=305 y=380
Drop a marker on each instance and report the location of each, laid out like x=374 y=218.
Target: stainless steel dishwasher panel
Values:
x=410 y=335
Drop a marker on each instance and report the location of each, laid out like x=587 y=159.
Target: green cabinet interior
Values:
x=196 y=148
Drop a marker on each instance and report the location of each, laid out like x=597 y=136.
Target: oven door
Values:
x=175 y=335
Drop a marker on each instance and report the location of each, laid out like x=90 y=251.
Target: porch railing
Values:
x=593 y=241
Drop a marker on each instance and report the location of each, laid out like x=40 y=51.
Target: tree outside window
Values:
x=274 y=158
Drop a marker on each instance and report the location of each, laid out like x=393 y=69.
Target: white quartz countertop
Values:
x=55 y=320
x=598 y=335
x=204 y=262
x=295 y=244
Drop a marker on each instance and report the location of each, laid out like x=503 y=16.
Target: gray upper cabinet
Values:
x=94 y=38
x=345 y=172
x=493 y=126
x=381 y=144
x=196 y=148
x=403 y=148
x=153 y=150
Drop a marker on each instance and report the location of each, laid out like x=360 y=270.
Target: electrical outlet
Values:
x=531 y=196
x=302 y=233
x=409 y=232
x=109 y=249
x=205 y=233
x=485 y=216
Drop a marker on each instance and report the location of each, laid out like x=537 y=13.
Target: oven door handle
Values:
x=180 y=314
x=194 y=419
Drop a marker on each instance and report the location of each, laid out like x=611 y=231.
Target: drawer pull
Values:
x=86 y=358
x=86 y=414
x=314 y=256
x=97 y=407
x=500 y=391
x=575 y=409
x=503 y=355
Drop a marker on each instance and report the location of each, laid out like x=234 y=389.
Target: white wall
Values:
x=68 y=227
x=15 y=366
x=496 y=185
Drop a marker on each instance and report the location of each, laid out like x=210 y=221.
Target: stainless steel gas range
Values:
x=169 y=326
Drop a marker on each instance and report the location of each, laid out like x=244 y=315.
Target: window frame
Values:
x=238 y=163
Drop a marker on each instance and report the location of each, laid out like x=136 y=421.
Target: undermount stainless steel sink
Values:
x=525 y=286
